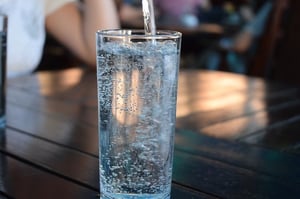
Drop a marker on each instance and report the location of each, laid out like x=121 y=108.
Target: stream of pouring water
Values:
x=149 y=17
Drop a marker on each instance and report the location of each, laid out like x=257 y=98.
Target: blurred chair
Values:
x=286 y=61
x=250 y=50
x=261 y=62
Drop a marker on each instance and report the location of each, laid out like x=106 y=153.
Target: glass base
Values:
x=134 y=196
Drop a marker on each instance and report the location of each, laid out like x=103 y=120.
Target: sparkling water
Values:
x=137 y=87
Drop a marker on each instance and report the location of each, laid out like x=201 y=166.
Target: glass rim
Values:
x=139 y=34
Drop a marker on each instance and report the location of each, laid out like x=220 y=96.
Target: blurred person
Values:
x=71 y=22
x=239 y=48
x=131 y=13
x=167 y=12
x=180 y=12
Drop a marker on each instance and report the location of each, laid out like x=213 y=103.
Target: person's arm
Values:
x=76 y=28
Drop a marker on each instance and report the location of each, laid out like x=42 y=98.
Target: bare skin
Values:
x=75 y=28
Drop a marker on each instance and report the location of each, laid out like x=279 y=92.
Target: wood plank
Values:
x=71 y=164
x=203 y=91
x=280 y=165
x=49 y=138
x=65 y=134
x=70 y=132
x=285 y=136
x=246 y=125
x=80 y=169
x=74 y=84
x=71 y=84
x=203 y=113
x=57 y=108
x=216 y=83
x=181 y=192
x=64 y=116
x=231 y=106
x=56 y=80
x=20 y=180
x=228 y=181
x=84 y=112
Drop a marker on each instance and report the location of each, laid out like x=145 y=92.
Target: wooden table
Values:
x=237 y=137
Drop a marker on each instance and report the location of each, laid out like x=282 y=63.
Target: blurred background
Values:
x=253 y=37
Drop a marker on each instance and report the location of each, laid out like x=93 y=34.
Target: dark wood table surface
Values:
x=236 y=137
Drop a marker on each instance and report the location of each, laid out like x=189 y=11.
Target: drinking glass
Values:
x=137 y=89
x=3 y=44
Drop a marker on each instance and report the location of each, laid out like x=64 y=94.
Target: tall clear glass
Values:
x=3 y=44
x=137 y=90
